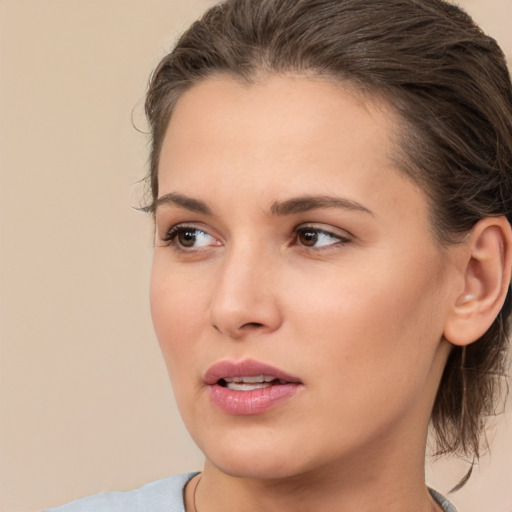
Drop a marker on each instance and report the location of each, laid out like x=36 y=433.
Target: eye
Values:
x=184 y=237
x=308 y=236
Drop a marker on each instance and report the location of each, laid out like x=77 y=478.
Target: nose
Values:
x=245 y=299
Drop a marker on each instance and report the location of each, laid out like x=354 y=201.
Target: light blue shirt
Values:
x=160 y=496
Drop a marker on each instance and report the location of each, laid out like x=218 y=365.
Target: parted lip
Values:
x=245 y=368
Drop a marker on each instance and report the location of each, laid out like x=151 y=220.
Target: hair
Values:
x=449 y=85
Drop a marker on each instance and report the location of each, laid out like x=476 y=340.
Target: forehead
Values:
x=271 y=97
x=282 y=136
x=278 y=112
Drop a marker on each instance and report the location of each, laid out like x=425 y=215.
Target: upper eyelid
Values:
x=184 y=225
x=191 y=225
x=330 y=230
x=174 y=230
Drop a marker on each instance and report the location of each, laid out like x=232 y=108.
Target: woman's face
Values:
x=290 y=250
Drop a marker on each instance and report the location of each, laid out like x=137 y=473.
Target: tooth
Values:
x=250 y=380
x=245 y=386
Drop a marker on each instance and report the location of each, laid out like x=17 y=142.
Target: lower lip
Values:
x=256 y=401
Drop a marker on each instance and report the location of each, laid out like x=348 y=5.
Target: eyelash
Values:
x=174 y=232
x=301 y=230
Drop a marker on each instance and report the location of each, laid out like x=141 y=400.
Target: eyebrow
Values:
x=287 y=207
x=194 y=205
x=308 y=203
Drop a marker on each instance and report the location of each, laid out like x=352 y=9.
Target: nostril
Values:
x=244 y=327
x=251 y=325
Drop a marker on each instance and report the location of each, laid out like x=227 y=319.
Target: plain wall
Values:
x=85 y=403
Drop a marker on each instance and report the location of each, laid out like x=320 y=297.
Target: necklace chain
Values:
x=194 y=493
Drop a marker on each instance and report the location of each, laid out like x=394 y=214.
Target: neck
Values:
x=332 y=489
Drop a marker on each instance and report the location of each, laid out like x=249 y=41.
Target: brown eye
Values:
x=317 y=238
x=307 y=237
x=187 y=237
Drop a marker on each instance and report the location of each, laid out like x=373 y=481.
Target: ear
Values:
x=486 y=269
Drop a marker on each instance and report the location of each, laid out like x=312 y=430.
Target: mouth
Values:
x=247 y=374
x=250 y=383
x=249 y=387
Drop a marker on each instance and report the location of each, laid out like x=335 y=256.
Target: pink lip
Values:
x=254 y=401
x=245 y=368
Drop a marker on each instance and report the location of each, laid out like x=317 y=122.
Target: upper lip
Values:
x=245 y=368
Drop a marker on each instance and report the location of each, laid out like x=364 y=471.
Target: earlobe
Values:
x=487 y=268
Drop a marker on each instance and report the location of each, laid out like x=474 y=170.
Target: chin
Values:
x=258 y=468
x=242 y=457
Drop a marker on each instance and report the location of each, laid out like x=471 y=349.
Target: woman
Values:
x=331 y=184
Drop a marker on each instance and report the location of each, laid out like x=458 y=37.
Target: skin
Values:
x=358 y=313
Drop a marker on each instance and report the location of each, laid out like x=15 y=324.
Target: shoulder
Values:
x=164 y=495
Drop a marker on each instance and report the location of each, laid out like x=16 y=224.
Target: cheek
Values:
x=177 y=308
x=369 y=340
x=374 y=320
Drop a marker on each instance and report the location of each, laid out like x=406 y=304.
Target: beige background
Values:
x=85 y=403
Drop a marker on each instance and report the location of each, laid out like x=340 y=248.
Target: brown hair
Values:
x=449 y=83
